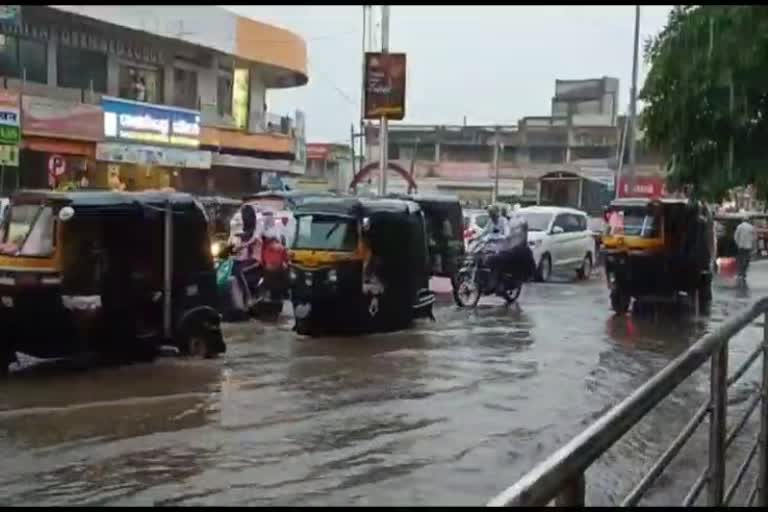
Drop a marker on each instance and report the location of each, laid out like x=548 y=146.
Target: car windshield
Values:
x=632 y=222
x=325 y=233
x=28 y=230
x=537 y=221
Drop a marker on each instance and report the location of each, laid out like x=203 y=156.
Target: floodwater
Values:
x=448 y=413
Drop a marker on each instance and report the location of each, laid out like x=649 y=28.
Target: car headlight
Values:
x=333 y=276
x=215 y=249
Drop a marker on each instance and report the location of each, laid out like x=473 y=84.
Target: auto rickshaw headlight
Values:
x=333 y=276
x=292 y=275
x=215 y=249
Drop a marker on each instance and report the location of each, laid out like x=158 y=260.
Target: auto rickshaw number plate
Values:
x=7 y=301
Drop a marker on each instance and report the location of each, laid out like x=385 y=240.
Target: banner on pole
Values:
x=384 y=82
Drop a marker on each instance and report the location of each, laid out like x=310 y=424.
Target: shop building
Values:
x=117 y=95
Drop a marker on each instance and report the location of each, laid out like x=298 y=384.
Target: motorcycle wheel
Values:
x=467 y=293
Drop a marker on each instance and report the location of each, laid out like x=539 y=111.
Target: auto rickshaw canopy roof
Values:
x=354 y=206
x=106 y=199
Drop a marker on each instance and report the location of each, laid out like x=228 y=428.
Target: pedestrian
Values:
x=744 y=236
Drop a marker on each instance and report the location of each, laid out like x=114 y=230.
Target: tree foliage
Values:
x=706 y=97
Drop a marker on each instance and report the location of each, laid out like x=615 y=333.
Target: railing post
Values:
x=572 y=493
x=762 y=497
x=718 y=395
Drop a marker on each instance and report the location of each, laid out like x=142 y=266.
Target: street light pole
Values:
x=496 y=164
x=633 y=106
x=383 y=135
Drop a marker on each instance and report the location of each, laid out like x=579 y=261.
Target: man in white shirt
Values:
x=745 y=242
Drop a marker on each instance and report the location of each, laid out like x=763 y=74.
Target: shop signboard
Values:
x=47 y=117
x=644 y=186
x=10 y=132
x=240 y=93
x=133 y=121
x=384 y=85
x=10 y=13
x=153 y=155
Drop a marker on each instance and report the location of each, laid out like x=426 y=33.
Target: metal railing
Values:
x=561 y=477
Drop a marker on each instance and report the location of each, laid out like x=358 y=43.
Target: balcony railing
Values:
x=85 y=95
x=267 y=122
x=562 y=476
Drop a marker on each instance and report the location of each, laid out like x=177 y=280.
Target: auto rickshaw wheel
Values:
x=5 y=362
x=620 y=301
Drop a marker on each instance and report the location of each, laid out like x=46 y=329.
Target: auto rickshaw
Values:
x=657 y=248
x=112 y=273
x=443 y=217
x=359 y=265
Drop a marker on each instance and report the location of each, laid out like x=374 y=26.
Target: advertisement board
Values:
x=152 y=155
x=10 y=130
x=47 y=117
x=644 y=186
x=384 y=84
x=240 y=96
x=132 y=121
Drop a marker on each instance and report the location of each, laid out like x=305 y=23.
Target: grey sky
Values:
x=493 y=64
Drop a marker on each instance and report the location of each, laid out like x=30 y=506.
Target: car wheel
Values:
x=544 y=272
x=586 y=268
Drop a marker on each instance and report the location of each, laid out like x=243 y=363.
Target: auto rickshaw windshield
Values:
x=325 y=233
x=632 y=222
x=28 y=230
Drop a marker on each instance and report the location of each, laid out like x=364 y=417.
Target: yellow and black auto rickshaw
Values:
x=111 y=273
x=359 y=265
x=656 y=248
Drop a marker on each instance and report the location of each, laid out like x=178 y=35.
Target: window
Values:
x=185 y=88
x=537 y=221
x=141 y=84
x=324 y=233
x=29 y=230
x=20 y=55
x=632 y=222
x=224 y=95
x=561 y=221
x=79 y=68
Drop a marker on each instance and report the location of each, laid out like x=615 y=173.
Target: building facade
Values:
x=329 y=168
x=460 y=159
x=137 y=97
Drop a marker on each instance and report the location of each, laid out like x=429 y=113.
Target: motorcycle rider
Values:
x=496 y=231
x=247 y=246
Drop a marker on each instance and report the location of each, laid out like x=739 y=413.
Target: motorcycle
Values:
x=474 y=277
x=268 y=284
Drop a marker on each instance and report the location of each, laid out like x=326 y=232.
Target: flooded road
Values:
x=448 y=413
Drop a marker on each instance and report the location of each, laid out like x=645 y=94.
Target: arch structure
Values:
x=367 y=169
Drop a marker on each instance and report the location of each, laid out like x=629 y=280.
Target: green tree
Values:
x=706 y=97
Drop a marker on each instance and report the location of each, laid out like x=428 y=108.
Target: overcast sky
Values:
x=492 y=64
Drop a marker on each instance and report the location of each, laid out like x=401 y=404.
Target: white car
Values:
x=560 y=240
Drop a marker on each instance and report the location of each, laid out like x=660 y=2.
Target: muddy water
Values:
x=448 y=413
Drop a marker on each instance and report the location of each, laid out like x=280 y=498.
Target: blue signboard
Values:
x=133 y=121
